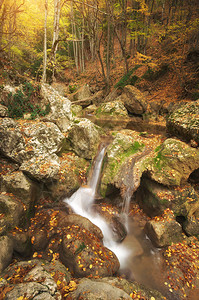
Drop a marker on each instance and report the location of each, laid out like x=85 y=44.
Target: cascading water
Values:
x=81 y=202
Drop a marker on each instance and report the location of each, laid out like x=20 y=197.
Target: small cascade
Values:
x=81 y=202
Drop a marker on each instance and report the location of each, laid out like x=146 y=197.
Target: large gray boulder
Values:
x=84 y=137
x=36 y=279
x=60 y=107
x=22 y=140
x=134 y=100
x=6 y=252
x=43 y=168
x=173 y=162
x=184 y=122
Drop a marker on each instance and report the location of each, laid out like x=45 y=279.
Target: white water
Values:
x=81 y=202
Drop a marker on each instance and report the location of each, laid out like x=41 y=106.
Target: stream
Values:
x=139 y=259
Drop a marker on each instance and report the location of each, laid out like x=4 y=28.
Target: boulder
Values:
x=6 y=252
x=173 y=162
x=3 y=111
x=21 y=241
x=182 y=268
x=21 y=186
x=184 y=122
x=191 y=226
x=134 y=289
x=11 y=212
x=71 y=174
x=60 y=107
x=43 y=168
x=133 y=100
x=36 y=279
x=75 y=240
x=23 y=139
x=164 y=230
x=113 y=109
x=97 y=289
x=81 y=94
x=77 y=110
x=154 y=198
x=84 y=137
x=122 y=148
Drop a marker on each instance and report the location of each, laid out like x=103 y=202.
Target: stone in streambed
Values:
x=164 y=230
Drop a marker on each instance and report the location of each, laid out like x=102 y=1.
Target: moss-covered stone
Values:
x=122 y=147
x=173 y=162
x=113 y=109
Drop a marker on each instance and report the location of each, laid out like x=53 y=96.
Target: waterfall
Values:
x=81 y=203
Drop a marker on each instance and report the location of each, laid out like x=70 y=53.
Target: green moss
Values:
x=114 y=163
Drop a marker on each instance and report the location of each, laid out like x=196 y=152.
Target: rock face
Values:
x=113 y=109
x=60 y=107
x=184 y=122
x=173 y=163
x=6 y=252
x=84 y=137
x=36 y=279
x=133 y=100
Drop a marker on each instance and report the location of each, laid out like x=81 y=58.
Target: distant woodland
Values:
x=45 y=40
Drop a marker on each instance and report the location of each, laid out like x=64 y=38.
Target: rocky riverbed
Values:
x=49 y=252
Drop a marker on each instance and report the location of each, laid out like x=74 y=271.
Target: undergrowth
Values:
x=23 y=101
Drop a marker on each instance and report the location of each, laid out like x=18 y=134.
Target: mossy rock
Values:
x=122 y=147
x=113 y=109
x=173 y=162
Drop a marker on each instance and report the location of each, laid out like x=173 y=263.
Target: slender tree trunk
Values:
x=45 y=43
x=74 y=35
x=57 y=9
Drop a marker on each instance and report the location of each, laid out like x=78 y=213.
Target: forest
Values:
x=99 y=149
x=106 y=43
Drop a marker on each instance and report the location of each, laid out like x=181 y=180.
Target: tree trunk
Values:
x=45 y=43
x=57 y=9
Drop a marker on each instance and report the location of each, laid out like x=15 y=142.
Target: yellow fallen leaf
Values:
x=90 y=266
